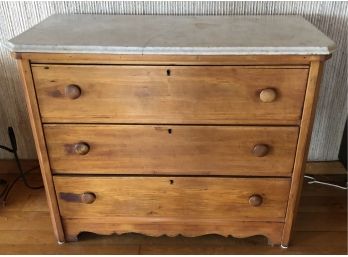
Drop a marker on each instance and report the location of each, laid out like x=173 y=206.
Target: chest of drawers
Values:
x=172 y=125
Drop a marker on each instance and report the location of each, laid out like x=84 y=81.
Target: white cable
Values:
x=315 y=181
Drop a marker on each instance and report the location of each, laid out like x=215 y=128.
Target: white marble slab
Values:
x=181 y=35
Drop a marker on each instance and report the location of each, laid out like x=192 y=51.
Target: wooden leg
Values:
x=285 y=243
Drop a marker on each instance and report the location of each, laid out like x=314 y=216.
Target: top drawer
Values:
x=170 y=94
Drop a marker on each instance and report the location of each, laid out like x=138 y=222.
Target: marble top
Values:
x=181 y=35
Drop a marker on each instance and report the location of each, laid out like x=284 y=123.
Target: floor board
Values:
x=320 y=228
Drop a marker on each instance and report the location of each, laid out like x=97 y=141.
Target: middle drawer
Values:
x=167 y=149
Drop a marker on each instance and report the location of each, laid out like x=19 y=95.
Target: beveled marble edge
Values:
x=170 y=50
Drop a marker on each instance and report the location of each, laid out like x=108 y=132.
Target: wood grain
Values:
x=39 y=58
x=169 y=94
x=237 y=229
x=319 y=204
x=174 y=205
x=330 y=17
x=332 y=167
x=335 y=221
x=170 y=149
x=176 y=199
x=34 y=115
x=25 y=229
x=312 y=168
x=302 y=147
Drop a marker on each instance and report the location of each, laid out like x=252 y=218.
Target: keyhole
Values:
x=170 y=131
x=171 y=182
x=168 y=72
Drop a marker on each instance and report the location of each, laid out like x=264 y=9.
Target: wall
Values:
x=329 y=17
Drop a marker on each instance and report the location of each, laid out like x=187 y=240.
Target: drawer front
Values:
x=175 y=149
x=244 y=199
x=170 y=94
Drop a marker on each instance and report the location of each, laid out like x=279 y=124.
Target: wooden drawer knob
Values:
x=73 y=91
x=260 y=150
x=268 y=95
x=87 y=197
x=255 y=200
x=81 y=148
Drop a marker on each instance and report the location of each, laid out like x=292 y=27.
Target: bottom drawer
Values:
x=209 y=198
x=190 y=206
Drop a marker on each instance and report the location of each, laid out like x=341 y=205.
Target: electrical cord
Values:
x=5 y=185
x=6 y=148
x=315 y=181
x=9 y=187
x=22 y=173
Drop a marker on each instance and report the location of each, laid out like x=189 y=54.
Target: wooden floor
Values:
x=321 y=228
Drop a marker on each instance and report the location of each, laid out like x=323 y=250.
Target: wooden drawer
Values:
x=172 y=198
x=174 y=149
x=169 y=94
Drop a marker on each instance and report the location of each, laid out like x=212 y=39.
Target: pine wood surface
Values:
x=320 y=228
x=312 y=92
x=38 y=134
x=268 y=95
x=39 y=58
x=174 y=198
x=169 y=149
x=8 y=166
x=188 y=206
x=170 y=94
